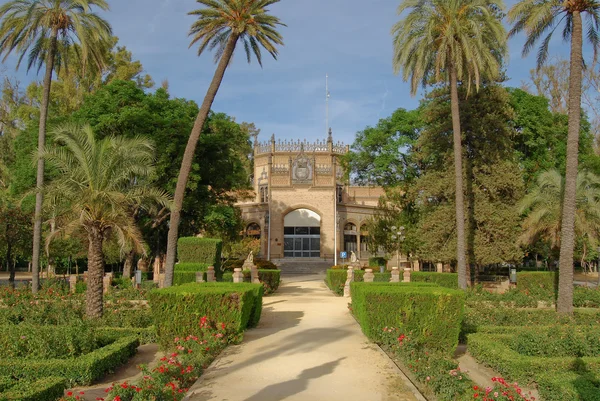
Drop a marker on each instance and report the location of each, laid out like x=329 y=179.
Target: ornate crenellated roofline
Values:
x=285 y=146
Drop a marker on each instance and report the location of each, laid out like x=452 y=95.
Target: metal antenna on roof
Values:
x=327 y=96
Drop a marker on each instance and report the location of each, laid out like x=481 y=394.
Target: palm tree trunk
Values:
x=128 y=265
x=39 y=196
x=188 y=156
x=564 y=303
x=94 y=303
x=458 y=173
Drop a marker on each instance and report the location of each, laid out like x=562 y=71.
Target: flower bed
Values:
x=82 y=370
x=176 y=309
x=544 y=356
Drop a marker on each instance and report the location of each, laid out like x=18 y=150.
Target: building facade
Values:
x=301 y=207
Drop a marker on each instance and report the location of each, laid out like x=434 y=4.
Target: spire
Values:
x=330 y=136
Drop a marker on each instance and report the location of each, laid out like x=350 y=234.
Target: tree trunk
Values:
x=94 y=295
x=564 y=304
x=39 y=196
x=458 y=173
x=188 y=156
x=11 y=278
x=128 y=265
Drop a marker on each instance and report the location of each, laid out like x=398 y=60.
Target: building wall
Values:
x=296 y=175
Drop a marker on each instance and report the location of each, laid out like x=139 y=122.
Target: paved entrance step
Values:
x=300 y=266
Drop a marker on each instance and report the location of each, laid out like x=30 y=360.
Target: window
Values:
x=253 y=230
x=264 y=194
x=340 y=194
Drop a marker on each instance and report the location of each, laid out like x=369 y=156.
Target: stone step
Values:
x=303 y=266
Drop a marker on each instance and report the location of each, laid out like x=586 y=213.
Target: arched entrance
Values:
x=302 y=234
x=253 y=230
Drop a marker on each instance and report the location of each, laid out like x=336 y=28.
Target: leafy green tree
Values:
x=381 y=155
x=15 y=234
x=220 y=25
x=493 y=183
x=447 y=41
x=543 y=206
x=46 y=30
x=100 y=183
x=539 y=18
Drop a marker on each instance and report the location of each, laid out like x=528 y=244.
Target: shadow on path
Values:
x=288 y=388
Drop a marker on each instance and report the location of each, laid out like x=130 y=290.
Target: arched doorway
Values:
x=350 y=238
x=302 y=234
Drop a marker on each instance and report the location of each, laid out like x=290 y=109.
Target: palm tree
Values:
x=46 y=31
x=544 y=203
x=220 y=25
x=541 y=18
x=449 y=41
x=99 y=183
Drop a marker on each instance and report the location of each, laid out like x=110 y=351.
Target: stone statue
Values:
x=250 y=259
x=353 y=258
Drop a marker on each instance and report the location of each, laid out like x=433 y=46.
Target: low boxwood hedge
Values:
x=448 y=280
x=429 y=313
x=46 y=389
x=494 y=350
x=540 y=285
x=336 y=279
x=177 y=310
x=200 y=250
x=145 y=335
x=82 y=370
x=186 y=272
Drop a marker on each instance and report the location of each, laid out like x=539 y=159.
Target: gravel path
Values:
x=306 y=347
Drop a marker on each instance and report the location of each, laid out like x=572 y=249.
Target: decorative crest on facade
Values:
x=302 y=169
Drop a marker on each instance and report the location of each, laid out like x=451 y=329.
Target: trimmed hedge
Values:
x=200 y=250
x=186 y=272
x=177 y=310
x=262 y=264
x=377 y=261
x=541 y=285
x=425 y=311
x=336 y=279
x=46 y=389
x=269 y=278
x=145 y=335
x=448 y=280
x=549 y=372
x=82 y=370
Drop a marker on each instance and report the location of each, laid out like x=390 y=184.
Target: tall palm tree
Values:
x=100 y=182
x=46 y=31
x=220 y=25
x=541 y=18
x=544 y=203
x=450 y=41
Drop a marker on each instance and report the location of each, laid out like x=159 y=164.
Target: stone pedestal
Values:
x=369 y=276
x=161 y=280
x=254 y=275
x=406 y=275
x=73 y=284
x=395 y=275
x=238 y=276
x=439 y=267
x=199 y=277
x=107 y=281
x=210 y=274
x=349 y=279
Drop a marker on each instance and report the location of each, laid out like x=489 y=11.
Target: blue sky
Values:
x=348 y=39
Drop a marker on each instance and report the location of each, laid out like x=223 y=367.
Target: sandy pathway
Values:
x=306 y=347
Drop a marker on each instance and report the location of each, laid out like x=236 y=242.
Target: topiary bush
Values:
x=177 y=310
x=200 y=250
x=432 y=314
x=448 y=280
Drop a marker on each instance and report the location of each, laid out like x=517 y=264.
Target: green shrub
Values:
x=145 y=335
x=569 y=386
x=377 y=261
x=540 y=285
x=584 y=297
x=192 y=267
x=186 y=272
x=270 y=279
x=433 y=312
x=117 y=315
x=177 y=310
x=200 y=250
x=262 y=264
x=82 y=370
x=448 y=280
x=45 y=342
x=46 y=389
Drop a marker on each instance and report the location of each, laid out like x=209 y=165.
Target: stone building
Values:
x=301 y=207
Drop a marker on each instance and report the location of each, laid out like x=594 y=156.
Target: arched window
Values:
x=350 y=238
x=253 y=230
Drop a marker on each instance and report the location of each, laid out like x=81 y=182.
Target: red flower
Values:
x=69 y=393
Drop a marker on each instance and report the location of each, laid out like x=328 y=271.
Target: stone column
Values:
x=199 y=277
x=210 y=274
x=349 y=279
x=369 y=276
x=161 y=280
x=395 y=275
x=73 y=284
x=439 y=267
x=107 y=281
x=238 y=276
x=406 y=275
x=254 y=275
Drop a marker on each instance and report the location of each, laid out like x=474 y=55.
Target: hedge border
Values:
x=46 y=389
x=77 y=371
